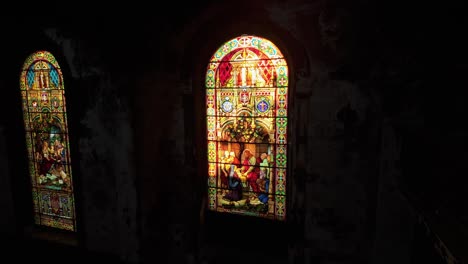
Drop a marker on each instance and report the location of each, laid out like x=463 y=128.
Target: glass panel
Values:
x=246 y=101
x=47 y=143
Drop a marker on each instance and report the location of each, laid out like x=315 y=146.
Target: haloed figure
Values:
x=251 y=170
x=264 y=179
x=234 y=182
x=224 y=166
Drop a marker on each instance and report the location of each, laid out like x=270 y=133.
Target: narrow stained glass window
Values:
x=45 y=120
x=246 y=106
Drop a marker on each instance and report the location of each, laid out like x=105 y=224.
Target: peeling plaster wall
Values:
x=108 y=176
x=330 y=195
x=333 y=202
x=395 y=215
x=140 y=193
x=106 y=156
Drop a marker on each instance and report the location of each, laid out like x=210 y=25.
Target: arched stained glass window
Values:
x=246 y=100
x=45 y=120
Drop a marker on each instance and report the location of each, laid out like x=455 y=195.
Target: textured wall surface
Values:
x=364 y=157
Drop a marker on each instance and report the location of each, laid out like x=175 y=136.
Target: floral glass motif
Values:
x=246 y=107
x=45 y=120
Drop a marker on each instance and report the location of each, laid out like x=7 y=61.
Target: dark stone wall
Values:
x=366 y=162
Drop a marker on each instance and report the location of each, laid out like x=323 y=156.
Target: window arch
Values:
x=45 y=120
x=246 y=100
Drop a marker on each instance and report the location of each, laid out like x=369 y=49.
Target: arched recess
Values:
x=247 y=122
x=47 y=141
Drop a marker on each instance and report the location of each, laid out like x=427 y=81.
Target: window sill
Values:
x=51 y=235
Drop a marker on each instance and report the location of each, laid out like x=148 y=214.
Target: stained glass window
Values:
x=45 y=120
x=246 y=106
